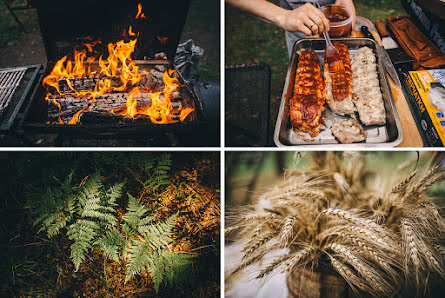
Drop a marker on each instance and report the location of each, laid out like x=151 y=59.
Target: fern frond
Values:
x=82 y=233
x=176 y=267
x=54 y=222
x=140 y=257
x=114 y=193
x=88 y=190
x=136 y=212
x=111 y=244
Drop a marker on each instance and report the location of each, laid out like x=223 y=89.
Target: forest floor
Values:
x=33 y=264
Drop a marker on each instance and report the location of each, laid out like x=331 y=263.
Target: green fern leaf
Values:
x=111 y=244
x=82 y=233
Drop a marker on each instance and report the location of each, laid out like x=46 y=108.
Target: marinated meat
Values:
x=338 y=85
x=307 y=103
x=366 y=93
x=349 y=131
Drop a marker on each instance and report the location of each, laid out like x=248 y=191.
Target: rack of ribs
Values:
x=307 y=102
x=338 y=84
x=366 y=88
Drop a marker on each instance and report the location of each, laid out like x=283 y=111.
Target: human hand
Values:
x=306 y=19
x=349 y=4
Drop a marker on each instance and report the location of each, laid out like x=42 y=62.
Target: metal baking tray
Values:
x=388 y=135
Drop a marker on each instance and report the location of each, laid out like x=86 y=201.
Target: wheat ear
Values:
x=272 y=266
x=418 y=188
x=255 y=234
x=401 y=186
x=372 y=236
x=290 y=195
x=369 y=250
x=287 y=230
x=248 y=262
x=412 y=253
x=361 y=222
x=256 y=244
x=297 y=258
x=374 y=280
x=350 y=277
x=432 y=181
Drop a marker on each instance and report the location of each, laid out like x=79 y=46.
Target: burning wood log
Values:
x=95 y=118
x=148 y=80
x=104 y=103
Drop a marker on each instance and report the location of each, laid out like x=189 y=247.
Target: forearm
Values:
x=263 y=9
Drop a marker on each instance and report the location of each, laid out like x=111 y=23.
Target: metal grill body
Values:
x=247 y=99
x=9 y=81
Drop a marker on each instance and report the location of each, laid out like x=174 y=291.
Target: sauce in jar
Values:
x=336 y=17
x=340 y=19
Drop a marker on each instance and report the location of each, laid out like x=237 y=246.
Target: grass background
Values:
x=250 y=40
x=10 y=30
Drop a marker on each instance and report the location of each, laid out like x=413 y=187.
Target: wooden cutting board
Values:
x=411 y=135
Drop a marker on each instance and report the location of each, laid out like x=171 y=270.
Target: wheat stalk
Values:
x=351 y=278
x=271 y=267
x=401 y=186
x=255 y=233
x=365 y=271
x=412 y=253
x=248 y=262
x=286 y=231
x=256 y=244
x=297 y=257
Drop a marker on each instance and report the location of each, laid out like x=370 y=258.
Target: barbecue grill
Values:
x=67 y=26
x=16 y=85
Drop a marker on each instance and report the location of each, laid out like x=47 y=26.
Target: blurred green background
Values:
x=250 y=174
x=250 y=40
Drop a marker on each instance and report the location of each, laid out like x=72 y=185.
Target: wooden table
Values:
x=411 y=135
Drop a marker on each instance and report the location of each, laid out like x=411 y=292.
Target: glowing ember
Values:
x=162 y=39
x=116 y=73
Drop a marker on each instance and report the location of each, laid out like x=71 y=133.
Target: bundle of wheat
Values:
x=381 y=240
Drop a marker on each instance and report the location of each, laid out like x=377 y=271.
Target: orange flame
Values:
x=90 y=46
x=130 y=32
x=117 y=73
x=140 y=13
x=75 y=118
x=161 y=108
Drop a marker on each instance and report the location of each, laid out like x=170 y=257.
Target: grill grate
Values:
x=9 y=81
x=247 y=96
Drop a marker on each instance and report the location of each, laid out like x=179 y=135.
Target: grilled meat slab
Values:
x=338 y=85
x=307 y=102
x=366 y=92
x=349 y=131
